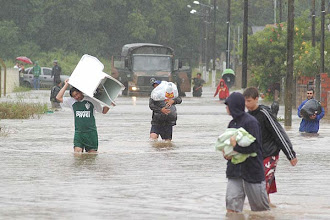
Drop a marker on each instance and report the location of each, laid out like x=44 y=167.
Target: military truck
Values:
x=140 y=63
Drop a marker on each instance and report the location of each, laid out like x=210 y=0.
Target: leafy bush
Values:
x=20 y=110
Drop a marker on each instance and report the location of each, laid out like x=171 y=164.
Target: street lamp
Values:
x=201 y=4
x=206 y=16
x=193 y=11
x=228 y=36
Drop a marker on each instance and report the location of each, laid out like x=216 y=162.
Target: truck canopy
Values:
x=145 y=48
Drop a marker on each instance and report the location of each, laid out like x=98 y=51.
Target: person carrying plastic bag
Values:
x=162 y=102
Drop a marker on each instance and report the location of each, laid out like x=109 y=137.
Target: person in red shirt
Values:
x=222 y=89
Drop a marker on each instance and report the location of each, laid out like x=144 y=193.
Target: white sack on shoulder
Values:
x=165 y=90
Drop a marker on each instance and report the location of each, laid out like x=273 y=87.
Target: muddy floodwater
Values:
x=132 y=178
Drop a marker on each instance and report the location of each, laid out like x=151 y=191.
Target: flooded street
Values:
x=132 y=178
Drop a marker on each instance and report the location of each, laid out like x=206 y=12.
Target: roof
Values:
x=146 y=48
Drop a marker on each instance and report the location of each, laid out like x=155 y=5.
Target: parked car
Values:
x=46 y=81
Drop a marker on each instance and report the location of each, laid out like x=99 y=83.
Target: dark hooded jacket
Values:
x=159 y=118
x=252 y=169
x=274 y=137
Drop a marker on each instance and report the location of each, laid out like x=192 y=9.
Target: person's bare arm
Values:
x=105 y=110
x=60 y=94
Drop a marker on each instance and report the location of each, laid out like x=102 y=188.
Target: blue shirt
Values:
x=310 y=126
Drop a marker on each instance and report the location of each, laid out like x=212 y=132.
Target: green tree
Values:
x=9 y=40
x=267 y=53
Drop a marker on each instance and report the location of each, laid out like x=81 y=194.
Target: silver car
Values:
x=46 y=81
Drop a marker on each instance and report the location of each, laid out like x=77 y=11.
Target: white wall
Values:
x=12 y=80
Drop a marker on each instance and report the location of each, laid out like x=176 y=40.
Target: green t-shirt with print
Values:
x=84 y=116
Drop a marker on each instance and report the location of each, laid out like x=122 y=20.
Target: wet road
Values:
x=131 y=178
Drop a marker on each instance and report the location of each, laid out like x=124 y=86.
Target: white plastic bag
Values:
x=165 y=90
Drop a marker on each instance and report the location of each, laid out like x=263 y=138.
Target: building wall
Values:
x=12 y=80
x=301 y=88
x=325 y=88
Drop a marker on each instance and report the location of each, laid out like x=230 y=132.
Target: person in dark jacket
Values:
x=312 y=125
x=198 y=85
x=274 y=137
x=56 y=72
x=53 y=93
x=246 y=178
x=164 y=116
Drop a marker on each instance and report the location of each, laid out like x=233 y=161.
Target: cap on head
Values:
x=154 y=81
x=157 y=82
x=55 y=61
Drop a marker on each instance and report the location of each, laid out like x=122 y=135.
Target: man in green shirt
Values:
x=83 y=107
x=36 y=73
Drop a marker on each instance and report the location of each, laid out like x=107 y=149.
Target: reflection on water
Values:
x=250 y=216
x=161 y=145
x=133 y=178
x=309 y=135
x=84 y=158
x=133 y=100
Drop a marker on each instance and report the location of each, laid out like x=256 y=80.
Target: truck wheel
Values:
x=125 y=91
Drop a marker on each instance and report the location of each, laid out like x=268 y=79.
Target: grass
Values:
x=21 y=89
x=21 y=110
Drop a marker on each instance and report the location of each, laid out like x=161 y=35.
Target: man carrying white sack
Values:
x=163 y=99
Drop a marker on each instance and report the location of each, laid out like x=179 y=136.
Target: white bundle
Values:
x=165 y=90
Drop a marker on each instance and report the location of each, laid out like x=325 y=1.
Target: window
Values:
x=151 y=63
x=47 y=71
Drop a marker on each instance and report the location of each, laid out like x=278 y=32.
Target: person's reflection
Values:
x=250 y=216
x=84 y=158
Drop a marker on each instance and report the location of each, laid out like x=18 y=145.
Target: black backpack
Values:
x=55 y=90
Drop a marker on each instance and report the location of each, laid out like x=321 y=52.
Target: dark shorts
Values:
x=86 y=140
x=270 y=164
x=165 y=131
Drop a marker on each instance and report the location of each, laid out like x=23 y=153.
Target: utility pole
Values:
x=280 y=6
x=275 y=11
x=313 y=23
x=214 y=41
x=201 y=49
x=289 y=68
x=317 y=75
x=322 y=34
x=245 y=46
x=228 y=36
x=205 y=65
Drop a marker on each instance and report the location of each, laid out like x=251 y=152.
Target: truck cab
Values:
x=140 y=62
